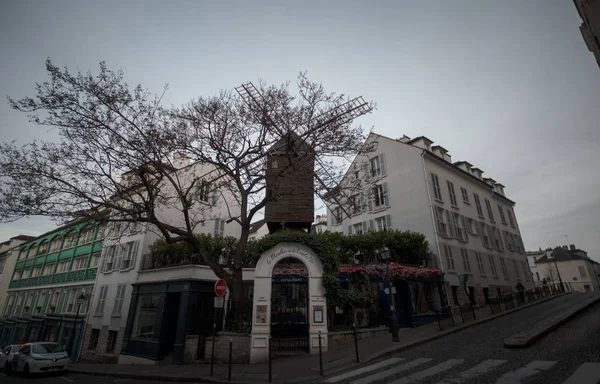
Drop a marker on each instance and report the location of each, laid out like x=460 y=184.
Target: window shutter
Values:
x=216 y=231
x=349 y=229
x=366 y=170
x=388 y=221
x=382 y=164
x=371 y=225
x=450 y=224
x=370 y=199
x=103 y=259
x=386 y=196
x=363 y=202
x=364 y=227
x=222 y=228
x=134 y=254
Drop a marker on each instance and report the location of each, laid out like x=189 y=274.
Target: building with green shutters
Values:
x=51 y=285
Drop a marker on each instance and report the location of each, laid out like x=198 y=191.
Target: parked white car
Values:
x=6 y=357
x=42 y=357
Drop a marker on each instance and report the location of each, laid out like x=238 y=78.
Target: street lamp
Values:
x=385 y=254
x=562 y=287
x=79 y=301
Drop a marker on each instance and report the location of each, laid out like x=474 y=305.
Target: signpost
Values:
x=219 y=300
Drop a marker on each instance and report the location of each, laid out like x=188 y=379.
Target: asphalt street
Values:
x=72 y=379
x=477 y=354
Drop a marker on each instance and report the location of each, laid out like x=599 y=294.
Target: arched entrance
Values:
x=288 y=306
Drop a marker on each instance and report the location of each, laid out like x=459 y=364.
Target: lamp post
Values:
x=79 y=301
x=562 y=287
x=385 y=255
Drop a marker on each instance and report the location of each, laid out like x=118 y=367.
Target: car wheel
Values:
x=26 y=370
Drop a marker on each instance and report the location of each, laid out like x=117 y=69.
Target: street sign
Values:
x=220 y=287
x=219 y=302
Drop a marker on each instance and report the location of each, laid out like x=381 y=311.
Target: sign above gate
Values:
x=292 y=252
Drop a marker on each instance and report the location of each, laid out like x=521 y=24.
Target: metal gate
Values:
x=289 y=317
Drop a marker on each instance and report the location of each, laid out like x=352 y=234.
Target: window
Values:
x=449 y=257
x=488 y=206
x=54 y=301
x=69 y=240
x=356 y=204
x=36 y=271
x=219 y=227
x=101 y=299
x=95 y=259
x=383 y=223
x=470 y=226
x=502 y=217
x=503 y=265
x=478 y=205
x=145 y=317
x=63 y=266
x=493 y=265
x=480 y=266
x=31 y=251
x=380 y=195
x=23 y=254
x=119 y=300
x=26 y=273
x=375 y=167
x=452 y=194
x=582 y=272
x=497 y=238
x=485 y=235
x=55 y=243
x=110 y=258
x=129 y=255
x=510 y=218
x=337 y=215
x=461 y=233
x=94 y=339
x=43 y=248
x=357 y=228
x=86 y=235
x=17 y=275
x=72 y=295
x=204 y=191
x=437 y=191
x=116 y=229
x=465 y=195
x=79 y=263
x=517 y=269
x=442 y=227
x=465 y=260
x=111 y=342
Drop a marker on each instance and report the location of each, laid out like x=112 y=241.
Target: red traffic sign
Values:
x=220 y=287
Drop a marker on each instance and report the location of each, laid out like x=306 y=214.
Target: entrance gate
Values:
x=289 y=314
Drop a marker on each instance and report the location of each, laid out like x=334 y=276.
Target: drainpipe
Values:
x=435 y=233
x=437 y=243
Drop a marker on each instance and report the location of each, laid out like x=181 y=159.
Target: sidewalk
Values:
x=294 y=369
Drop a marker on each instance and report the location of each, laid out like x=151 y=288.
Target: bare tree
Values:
x=117 y=146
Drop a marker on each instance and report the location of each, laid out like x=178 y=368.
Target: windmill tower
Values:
x=290 y=170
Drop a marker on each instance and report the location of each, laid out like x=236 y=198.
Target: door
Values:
x=486 y=295
x=169 y=324
x=289 y=317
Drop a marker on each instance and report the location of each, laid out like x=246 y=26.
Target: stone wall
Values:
x=241 y=348
x=338 y=338
x=190 y=348
x=99 y=354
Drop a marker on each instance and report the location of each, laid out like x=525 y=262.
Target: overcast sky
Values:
x=506 y=85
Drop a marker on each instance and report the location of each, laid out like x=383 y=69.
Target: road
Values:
x=72 y=379
x=477 y=354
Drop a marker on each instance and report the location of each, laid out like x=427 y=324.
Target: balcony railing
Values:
x=58 y=278
x=150 y=261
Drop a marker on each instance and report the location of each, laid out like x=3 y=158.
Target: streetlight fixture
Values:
x=79 y=301
x=385 y=254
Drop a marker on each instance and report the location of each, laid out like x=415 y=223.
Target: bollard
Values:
x=270 y=364
x=230 y=357
x=320 y=355
x=212 y=352
x=356 y=342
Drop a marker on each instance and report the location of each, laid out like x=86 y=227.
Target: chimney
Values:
x=572 y=247
x=180 y=160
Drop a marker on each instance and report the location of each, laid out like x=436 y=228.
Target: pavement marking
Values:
x=478 y=370
x=529 y=370
x=588 y=373
x=66 y=379
x=416 y=377
x=390 y=372
x=362 y=370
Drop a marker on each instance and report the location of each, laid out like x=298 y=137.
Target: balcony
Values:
x=58 y=278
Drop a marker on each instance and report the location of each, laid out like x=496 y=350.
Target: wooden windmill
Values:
x=290 y=173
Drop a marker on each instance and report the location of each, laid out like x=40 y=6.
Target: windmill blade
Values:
x=341 y=114
x=256 y=102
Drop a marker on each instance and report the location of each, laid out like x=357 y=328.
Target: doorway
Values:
x=168 y=328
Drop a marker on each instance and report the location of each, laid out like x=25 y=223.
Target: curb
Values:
x=363 y=360
x=525 y=339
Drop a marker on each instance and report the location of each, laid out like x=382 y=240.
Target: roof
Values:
x=417 y=139
x=23 y=237
x=560 y=254
x=463 y=162
x=440 y=147
x=256 y=225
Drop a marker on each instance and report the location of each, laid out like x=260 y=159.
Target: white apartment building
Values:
x=126 y=266
x=568 y=264
x=469 y=222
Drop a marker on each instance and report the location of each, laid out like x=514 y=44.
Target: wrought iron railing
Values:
x=57 y=278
